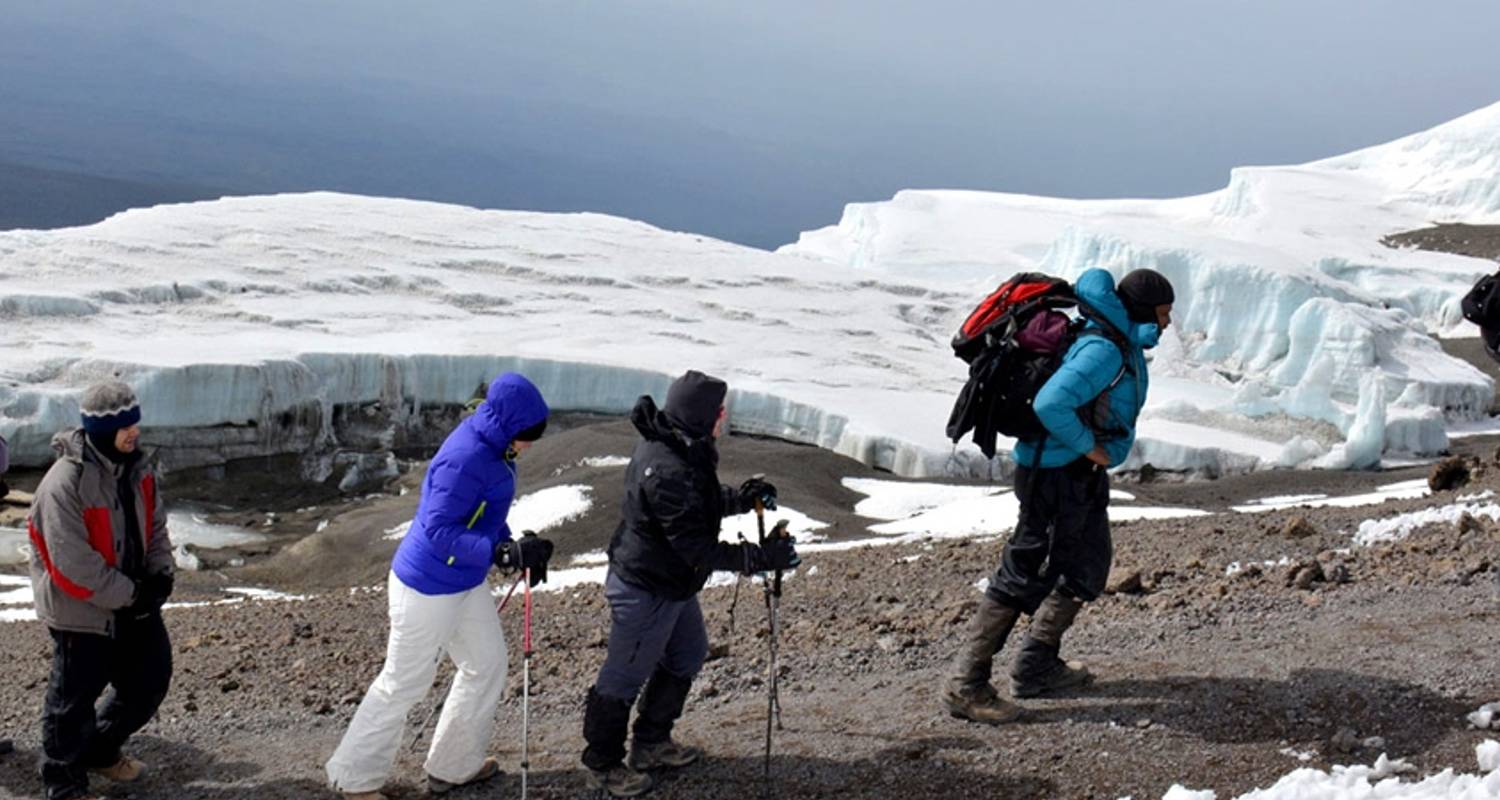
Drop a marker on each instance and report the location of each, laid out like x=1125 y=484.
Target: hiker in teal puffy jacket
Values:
x=1059 y=556
x=1089 y=367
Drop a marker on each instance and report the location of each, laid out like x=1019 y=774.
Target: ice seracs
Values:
x=1282 y=282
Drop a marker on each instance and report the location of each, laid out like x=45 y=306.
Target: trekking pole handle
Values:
x=779 y=532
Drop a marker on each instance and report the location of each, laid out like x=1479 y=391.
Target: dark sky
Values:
x=747 y=121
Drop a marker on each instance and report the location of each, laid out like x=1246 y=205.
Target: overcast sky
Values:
x=748 y=121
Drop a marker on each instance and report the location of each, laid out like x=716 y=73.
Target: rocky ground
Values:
x=1208 y=679
x=1478 y=241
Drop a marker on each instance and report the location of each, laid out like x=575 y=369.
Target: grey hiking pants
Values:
x=647 y=631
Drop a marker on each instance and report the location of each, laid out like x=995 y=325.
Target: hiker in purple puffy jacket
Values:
x=439 y=601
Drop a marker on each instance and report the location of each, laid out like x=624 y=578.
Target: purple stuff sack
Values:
x=1045 y=332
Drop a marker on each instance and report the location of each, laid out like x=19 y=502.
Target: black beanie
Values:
x=1142 y=290
x=693 y=403
x=533 y=433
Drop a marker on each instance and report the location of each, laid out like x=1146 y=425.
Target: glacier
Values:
x=328 y=326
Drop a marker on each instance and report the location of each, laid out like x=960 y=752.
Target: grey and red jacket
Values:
x=77 y=528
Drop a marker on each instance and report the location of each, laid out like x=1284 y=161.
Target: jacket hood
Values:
x=73 y=445
x=1096 y=287
x=512 y=405
x=693 y=403
x=69 y=444
x=655 y=426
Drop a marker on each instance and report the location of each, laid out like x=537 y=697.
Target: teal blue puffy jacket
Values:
x=1087 y=369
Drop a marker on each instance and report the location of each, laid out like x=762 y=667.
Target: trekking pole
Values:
x=525 y=682
x=443 y=698
x=773 y=593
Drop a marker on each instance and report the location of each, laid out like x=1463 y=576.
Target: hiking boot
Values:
x=983 y=705
x=126 y=770
x=1038 y=669
x=489 y=769
x=660 y=705
x=621 y=781
x=975 y=663
x=1062 y=676
x=662 y=755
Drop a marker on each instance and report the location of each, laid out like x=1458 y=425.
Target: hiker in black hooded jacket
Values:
x=661 y=554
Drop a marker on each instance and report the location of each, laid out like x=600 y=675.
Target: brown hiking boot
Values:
x=1062 y=676
x=489 y=769
x=983 y=705
x=987 y=633
x=621 y=781
x=662 y=755
x=126 y=770
x=1038 y=669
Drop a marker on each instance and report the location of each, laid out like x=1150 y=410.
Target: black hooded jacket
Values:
x=668 y=538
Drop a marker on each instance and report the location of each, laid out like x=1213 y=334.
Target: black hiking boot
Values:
x=1038 y=669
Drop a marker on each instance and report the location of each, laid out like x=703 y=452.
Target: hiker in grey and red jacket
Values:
x=101 y=568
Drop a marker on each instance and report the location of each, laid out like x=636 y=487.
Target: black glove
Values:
x=151 y=593
x=776 y=554
x=529 y=552
x=757 y=489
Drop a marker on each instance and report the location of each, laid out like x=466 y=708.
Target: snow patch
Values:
x=597 y=462
x=549 y=508
x=1487 y=716
x=1488 y=754
x=1403 y=490
x=1390 y=529
x=1382 y=780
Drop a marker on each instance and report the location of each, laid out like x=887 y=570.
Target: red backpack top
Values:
x=1013 y=342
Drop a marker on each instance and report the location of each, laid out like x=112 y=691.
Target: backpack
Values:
x=1013 y=342
x=1481 y=306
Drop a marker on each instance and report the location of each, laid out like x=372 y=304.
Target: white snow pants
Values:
x=422 y=627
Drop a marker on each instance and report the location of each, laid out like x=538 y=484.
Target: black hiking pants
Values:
x=136 y=663
x=1061 y=539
